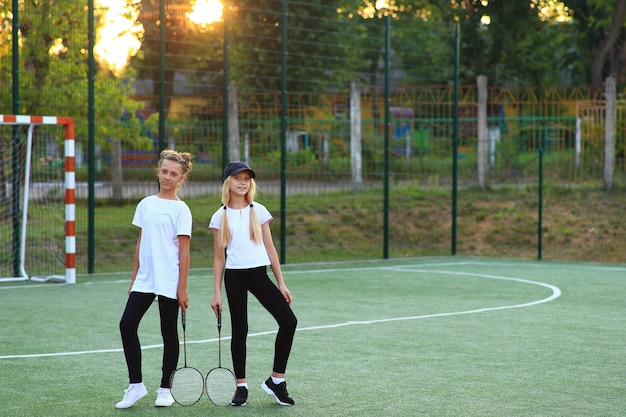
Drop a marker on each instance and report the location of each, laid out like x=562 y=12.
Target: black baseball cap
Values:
x=235 y=168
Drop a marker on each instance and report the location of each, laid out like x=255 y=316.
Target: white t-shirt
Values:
x=161 y=222
x=243 y=252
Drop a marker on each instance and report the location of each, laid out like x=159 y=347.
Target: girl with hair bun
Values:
x=160 y=269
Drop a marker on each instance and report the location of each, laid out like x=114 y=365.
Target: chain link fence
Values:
x=289 y=87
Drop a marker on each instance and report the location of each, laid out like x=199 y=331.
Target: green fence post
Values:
x=15 y=51
x=540 y=198
x=455 y=137
x=15 y=176
x=386 y=139
x=283 y=140
x=162 y=50
x=225 y=93
x=91 y=143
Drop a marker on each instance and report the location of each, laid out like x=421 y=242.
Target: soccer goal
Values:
x=37 y=207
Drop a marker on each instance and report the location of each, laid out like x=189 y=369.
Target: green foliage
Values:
x=303 y=159
x=316 y=47
x=515 y=48
x=53 y=72
x=424 y=50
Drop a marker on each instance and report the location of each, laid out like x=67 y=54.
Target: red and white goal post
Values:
x=37 y=243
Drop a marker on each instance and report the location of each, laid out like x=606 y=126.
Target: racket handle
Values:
x=183 y=318
x=219 y=321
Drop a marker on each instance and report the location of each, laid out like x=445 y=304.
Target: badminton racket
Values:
x=220 y=382
x=186 y=383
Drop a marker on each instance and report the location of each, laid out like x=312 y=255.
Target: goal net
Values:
x=37 y=208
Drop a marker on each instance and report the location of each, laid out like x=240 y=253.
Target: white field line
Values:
x=286 y=271
x=556 y=292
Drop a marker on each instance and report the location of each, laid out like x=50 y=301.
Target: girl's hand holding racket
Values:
x=216 y=304
x=183 y=299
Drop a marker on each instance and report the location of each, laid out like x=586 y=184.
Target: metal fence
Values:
x=284 y=71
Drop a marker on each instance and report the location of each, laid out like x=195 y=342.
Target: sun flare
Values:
x=205 y=12
x=119 y=33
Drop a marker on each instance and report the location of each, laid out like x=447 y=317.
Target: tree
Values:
x=600 y=41
x=508 y=42
x=192 y=51
x=316 y=49
x=53 y=70
x=516 y=47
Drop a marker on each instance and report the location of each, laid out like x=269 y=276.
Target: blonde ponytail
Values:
x=223 y=234
x=255 y=226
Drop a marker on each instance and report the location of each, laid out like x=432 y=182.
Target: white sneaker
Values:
x=132 y=394
x=164 y=398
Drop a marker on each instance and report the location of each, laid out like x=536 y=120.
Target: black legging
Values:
x=136 y=306
x=238 y=282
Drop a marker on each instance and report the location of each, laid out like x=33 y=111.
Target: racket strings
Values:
x=187 y=386
x=220 y=386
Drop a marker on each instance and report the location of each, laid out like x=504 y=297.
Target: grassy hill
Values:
x=577 y=224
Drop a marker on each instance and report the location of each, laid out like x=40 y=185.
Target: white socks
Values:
x=277 y=380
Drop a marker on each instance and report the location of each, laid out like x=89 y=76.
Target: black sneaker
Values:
x=278 y=391
x=241 y=396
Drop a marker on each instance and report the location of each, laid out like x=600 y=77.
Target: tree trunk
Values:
x=607 y=44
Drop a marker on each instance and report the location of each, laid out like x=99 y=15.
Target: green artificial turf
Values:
x=420 y=337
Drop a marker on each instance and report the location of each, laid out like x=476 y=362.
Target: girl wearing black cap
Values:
x=243 y=248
